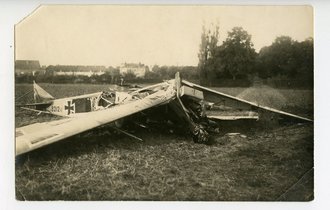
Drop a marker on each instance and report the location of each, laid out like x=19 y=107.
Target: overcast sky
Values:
x=163 y=35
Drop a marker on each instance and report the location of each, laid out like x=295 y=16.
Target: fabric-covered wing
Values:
x=40 y=134
x=241 y=104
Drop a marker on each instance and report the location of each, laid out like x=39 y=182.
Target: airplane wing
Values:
x=241 y=104
x=37 y=135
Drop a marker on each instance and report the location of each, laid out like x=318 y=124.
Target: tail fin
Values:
x=39 y=94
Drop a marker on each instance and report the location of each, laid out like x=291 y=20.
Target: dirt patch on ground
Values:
x=264 y=96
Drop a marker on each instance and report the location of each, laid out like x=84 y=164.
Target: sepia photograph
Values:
x=164 y=103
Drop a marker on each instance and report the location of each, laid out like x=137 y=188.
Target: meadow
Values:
x=257 y=164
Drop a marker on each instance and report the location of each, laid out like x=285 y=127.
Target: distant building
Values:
x=139 y=70
x=27 y=67
x=76 y=70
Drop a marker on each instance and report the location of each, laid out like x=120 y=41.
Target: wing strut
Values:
x=199 y=134
x=126 y=133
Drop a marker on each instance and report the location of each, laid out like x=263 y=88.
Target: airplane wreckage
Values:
x=188 y=106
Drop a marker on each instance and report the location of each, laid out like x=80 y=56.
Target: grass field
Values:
x=260 y=164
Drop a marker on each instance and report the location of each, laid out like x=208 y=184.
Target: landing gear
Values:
x=200 y=135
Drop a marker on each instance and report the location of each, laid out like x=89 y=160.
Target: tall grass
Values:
x=103 y=165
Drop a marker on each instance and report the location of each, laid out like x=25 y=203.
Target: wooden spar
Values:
x=38 y=111
x=179 y=107
x=128 y=134
x=23 y=95
x=148 y=88
x=178 y=89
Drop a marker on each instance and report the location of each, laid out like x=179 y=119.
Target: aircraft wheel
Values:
x=200 y=136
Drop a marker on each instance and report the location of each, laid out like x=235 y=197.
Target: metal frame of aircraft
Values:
x=193 y=107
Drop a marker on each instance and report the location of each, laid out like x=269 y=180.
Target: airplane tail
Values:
x=39 y=94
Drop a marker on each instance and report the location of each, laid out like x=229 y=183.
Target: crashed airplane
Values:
x=192 y=107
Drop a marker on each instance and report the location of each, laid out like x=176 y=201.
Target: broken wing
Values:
x=241 y=104
x=38 y=135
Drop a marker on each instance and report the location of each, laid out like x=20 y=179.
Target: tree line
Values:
x=235 y=62
x=111 y=75
x=236 y=58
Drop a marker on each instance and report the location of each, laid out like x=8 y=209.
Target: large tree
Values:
x=236 y=55
x=304 y=55
x=278 y=59
x=287 y=58
x=207 y=51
